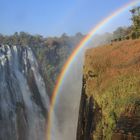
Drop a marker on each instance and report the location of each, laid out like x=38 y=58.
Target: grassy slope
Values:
x=112 y=75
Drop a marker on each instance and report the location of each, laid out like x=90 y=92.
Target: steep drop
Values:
x=110 y=100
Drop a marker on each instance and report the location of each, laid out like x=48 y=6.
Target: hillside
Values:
x=110 y=101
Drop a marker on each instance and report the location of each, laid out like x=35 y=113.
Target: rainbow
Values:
x=72 y=57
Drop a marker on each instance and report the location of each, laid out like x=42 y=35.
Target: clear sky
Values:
x=54 y=17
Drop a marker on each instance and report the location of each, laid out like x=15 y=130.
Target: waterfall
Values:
x=24 y=101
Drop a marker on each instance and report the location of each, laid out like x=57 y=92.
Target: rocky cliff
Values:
x=110 y=100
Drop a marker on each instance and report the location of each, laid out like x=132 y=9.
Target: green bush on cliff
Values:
x=121 y=92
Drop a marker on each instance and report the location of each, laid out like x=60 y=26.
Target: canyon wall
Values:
x=110 y=100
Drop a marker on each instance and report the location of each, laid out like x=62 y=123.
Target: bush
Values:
x=134 y=36
x=127 y=38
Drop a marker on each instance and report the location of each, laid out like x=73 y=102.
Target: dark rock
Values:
x=89 y=116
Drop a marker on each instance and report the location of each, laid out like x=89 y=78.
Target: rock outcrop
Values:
x=89 y=116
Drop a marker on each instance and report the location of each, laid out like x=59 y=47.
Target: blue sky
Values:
x=54 y=17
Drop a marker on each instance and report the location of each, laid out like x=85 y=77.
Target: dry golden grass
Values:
x=112 y=74
x=110 y=61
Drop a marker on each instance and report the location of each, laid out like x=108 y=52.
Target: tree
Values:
x=120 y=33
x=136 y=22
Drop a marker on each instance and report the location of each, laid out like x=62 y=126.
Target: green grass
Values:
x=113 y=100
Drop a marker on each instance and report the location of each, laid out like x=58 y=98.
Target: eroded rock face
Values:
x=89 y=116
x=23 y=99
x=128 y=125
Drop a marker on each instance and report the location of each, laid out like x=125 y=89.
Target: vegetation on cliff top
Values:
x=51 y=52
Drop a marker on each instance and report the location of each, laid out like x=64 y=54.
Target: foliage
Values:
x=116 y=84
x=133 y=31
x=135 y=22
x=51 y=52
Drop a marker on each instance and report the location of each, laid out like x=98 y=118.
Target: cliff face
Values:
x=89 y=116
x=110 y=101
